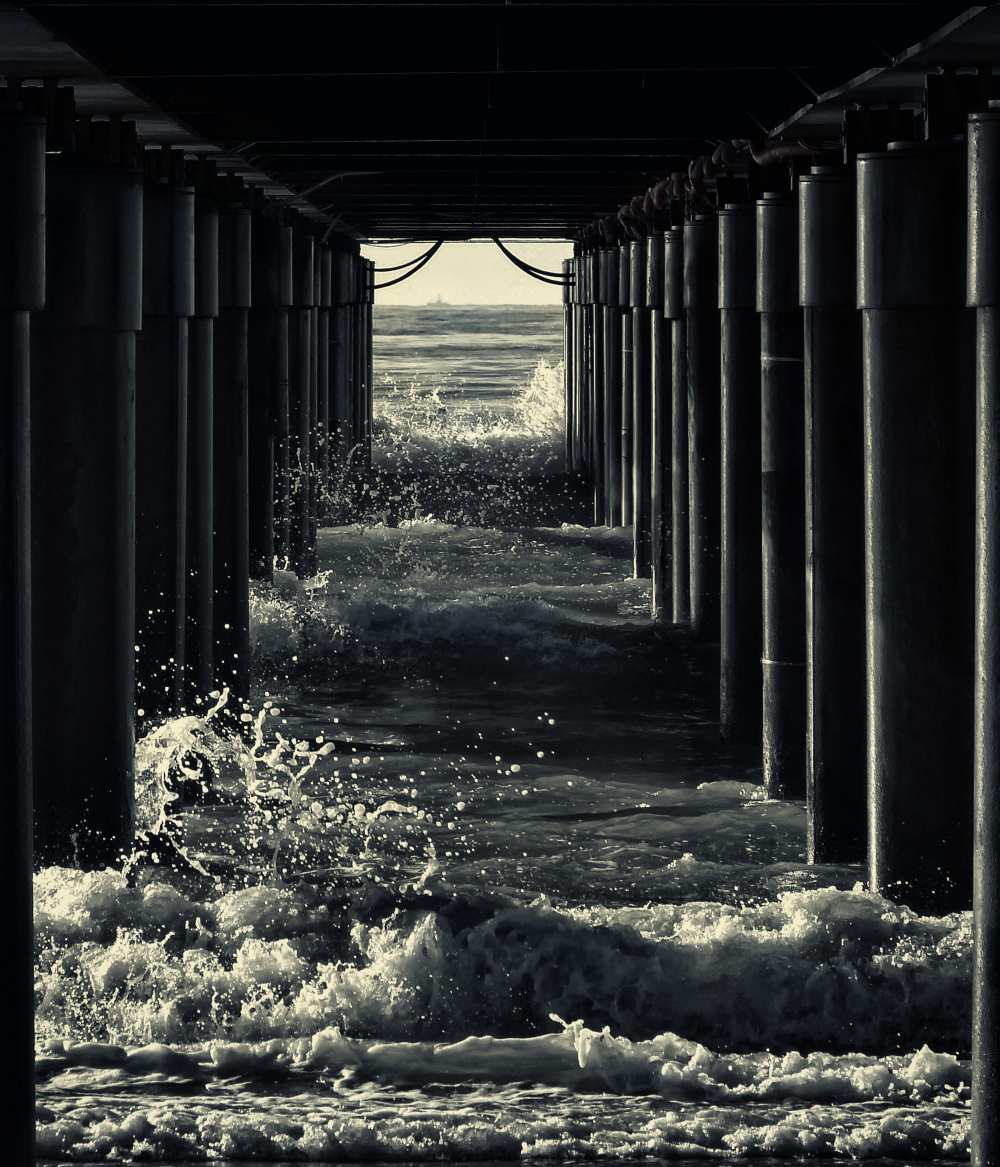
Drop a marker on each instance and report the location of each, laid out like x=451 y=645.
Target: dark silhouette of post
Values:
x=701 y=304
x=324 y=382
x=660 y=431
x=627 y=390
x=161 y=425
x=301 y=399
x=22 y=293
x=783 y=497
x=83 y=500
x=984 y=295
x=569 y=358
x=641 y=398
x=836 y=746
x=200 y=646
x=598 y=453
x=230 y=448
x=343 y=407
x=740 y=378
x=611 y=324
x=270 y=294
x=919 y=399
x=673 y=308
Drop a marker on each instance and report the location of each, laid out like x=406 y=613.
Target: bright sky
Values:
x=470 y=273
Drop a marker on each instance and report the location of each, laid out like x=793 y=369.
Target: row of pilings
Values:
x=187 y=379
x=792 y=394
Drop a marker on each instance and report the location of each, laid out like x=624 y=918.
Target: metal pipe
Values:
x=659 y=431
x=701 y=305
x=782 y=412
x=836 y=821
x=641 y=407
x=918 y=362
x=22 y=257
x=598 y=454
x=200 y=647
x=611 y=323
x=673 y=308
x=984 y=295
x=740 y=627
x=231 y=491
x=627 y=397
x=83 y=513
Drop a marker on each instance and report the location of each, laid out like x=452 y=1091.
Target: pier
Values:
x=781 y=372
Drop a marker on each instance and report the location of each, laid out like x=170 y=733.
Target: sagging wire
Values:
x=410 y=262
x=424 y=259
x=536 y=273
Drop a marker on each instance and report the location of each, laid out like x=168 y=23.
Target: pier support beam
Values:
x=984 y=296
x=231 y=497
x=301 y=401
x=782 y=411
x=919 y=396
x=598 y=453
x=271 y=294
x=200 y=646
x=569 y=358
x=641 y=412
x=740 y=630
x=701 y=305
x=161 y=408
x=83 y=502
x=22 y=293
x=673 y=309
x=343 y=405
x=324 y=377
x=611 y=324
x=627 y=386
x=835 y=548
x=660 y=431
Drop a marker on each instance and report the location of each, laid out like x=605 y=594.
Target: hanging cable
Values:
x=410 y=262
x=426 y=258
x=536 y=273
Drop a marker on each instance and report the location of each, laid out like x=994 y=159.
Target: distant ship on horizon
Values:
x=438 y=303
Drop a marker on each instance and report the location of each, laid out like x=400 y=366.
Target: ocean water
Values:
x=478 y=882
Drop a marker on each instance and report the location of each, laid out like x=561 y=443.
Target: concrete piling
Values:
x=611 y=323
x=660 y=433
x=641 y=409
x=673 y=308
x=627 y=387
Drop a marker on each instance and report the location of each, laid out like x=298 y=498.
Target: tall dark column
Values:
x=231 y=500
x=642 y=483
x=271 y=294
x=984 y=296
x=324 y=371
x=701 y=305
x=83 y=502
x=342 y=421
x=835 y=521
x=300 y=400
x=22 y=292
x=584 y=364
x=918 y=361
x=161 y=409
x=598 y=453
x=740 y=632
x=369 y=359
x=628 y=402
x=200 y=654
x=569 y=353
x=673 y=309
x=660 y=431
x=611 y=325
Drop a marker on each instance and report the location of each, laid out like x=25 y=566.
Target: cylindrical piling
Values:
x=918 y=362
x=740 y=629
x=231 y=499
x=342 y=408
x=984 y=296
x=324 y=273
x=271 y=290
x=161 y=409
x=83 y=506
x=300 y=399
x=701 y=305
x=627 y=390
x=673 y=308
x=200 y=646
x=569 y=356
x=835 y=544
x=598 y=453
x=611 y=323
x=22 y=259
x=660 y=432
x=641 y=407
x=782 y=413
